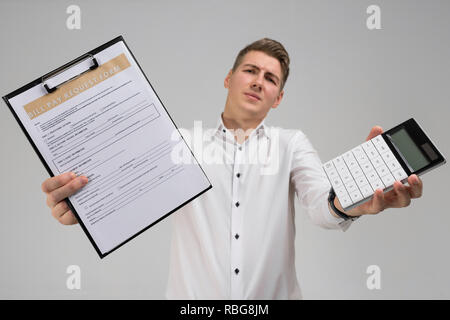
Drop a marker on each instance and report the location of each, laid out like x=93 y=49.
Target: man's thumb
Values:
x=376 y=130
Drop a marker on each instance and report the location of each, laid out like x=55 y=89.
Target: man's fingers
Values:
x=376 y=130
x=66 y=191
x=403 y=197
x=68 y=218
x=60 y=209
x=415 y=186
x=63 y=214
x=378 y=202
x=56 y=182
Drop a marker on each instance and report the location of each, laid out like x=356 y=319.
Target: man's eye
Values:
x=248 y=70
x=271 y=80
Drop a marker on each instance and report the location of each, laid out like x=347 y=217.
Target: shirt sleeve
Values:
x=311 y=184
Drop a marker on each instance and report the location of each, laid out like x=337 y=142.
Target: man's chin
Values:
x=251 y=106
x=252 y=111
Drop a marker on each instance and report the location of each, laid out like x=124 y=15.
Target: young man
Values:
x=237 y=240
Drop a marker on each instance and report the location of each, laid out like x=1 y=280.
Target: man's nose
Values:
x=257 y=83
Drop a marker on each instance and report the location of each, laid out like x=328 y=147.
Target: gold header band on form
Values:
x=77 y=86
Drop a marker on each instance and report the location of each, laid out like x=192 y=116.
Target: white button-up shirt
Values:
x=236 y=241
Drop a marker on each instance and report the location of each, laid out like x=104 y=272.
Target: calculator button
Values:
x=367 y=145
x=343 y=171
x=359 y=154
x=388 y=180
x=345 y=201
x=350 y=160
x=383 y=148
x=393 y=165
x=382 y=170
x=361 y=181
x=369 y=148
x=347 y=178
x=372 y=153
x=351 y=186
x=380 y=144
x=336 y=183
x=353 y=164
x=372 y=176
x=388 y=156
x=341 y=191
x=361 y=158
x=328 y=166
x=356 y=172
x=338 y=162
x=332 y=174
x=377 y=140
x=348 y=156
x=377 y=161
x=377 y=184
x=356 y=196
x=357 y=151
x=399 y=174
x=366 y=190
x=367 y=167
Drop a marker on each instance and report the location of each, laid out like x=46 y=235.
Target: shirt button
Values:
x=240 y=148
x=237 y=204
x=238 y=175
x=236 y=236
x=224 y=130
x=236 y=270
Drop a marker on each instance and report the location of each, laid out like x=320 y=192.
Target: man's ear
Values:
x=226 y=82
x=278 y=100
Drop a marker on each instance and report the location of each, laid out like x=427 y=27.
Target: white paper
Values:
x=115 y=131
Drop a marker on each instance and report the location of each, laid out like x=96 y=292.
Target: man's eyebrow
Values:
x=256 y=67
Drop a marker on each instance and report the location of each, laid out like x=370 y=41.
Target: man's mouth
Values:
x=253 y=96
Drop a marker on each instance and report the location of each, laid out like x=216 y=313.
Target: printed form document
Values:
x=109 y=125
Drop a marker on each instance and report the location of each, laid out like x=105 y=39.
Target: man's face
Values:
x=254 y=87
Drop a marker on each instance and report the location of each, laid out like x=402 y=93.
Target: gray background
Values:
x=344 y=79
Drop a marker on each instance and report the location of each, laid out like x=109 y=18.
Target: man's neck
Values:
x=242 y=128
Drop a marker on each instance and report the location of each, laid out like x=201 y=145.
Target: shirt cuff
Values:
x=340 y=222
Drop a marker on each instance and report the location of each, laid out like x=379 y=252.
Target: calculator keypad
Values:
x=357 y=173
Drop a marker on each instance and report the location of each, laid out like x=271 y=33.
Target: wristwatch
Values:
x=341 y=214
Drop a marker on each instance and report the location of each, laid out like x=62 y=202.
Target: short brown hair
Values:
x=272 y=48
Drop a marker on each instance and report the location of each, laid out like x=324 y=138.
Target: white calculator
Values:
x=379 y=162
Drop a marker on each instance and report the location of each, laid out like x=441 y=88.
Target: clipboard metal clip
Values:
x=59 y=76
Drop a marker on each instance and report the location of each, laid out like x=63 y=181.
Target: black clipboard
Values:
x=42 y=80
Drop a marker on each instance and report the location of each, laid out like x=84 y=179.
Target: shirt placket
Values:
x=237 y=212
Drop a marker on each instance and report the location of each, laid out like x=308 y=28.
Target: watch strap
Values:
x=341 y=214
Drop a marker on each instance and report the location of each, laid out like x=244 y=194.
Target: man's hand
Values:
x=59 y=188
x=399 y=197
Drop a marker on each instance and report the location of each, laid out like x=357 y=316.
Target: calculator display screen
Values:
x=409 y=149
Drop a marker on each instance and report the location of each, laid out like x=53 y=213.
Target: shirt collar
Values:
x=222 y=131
